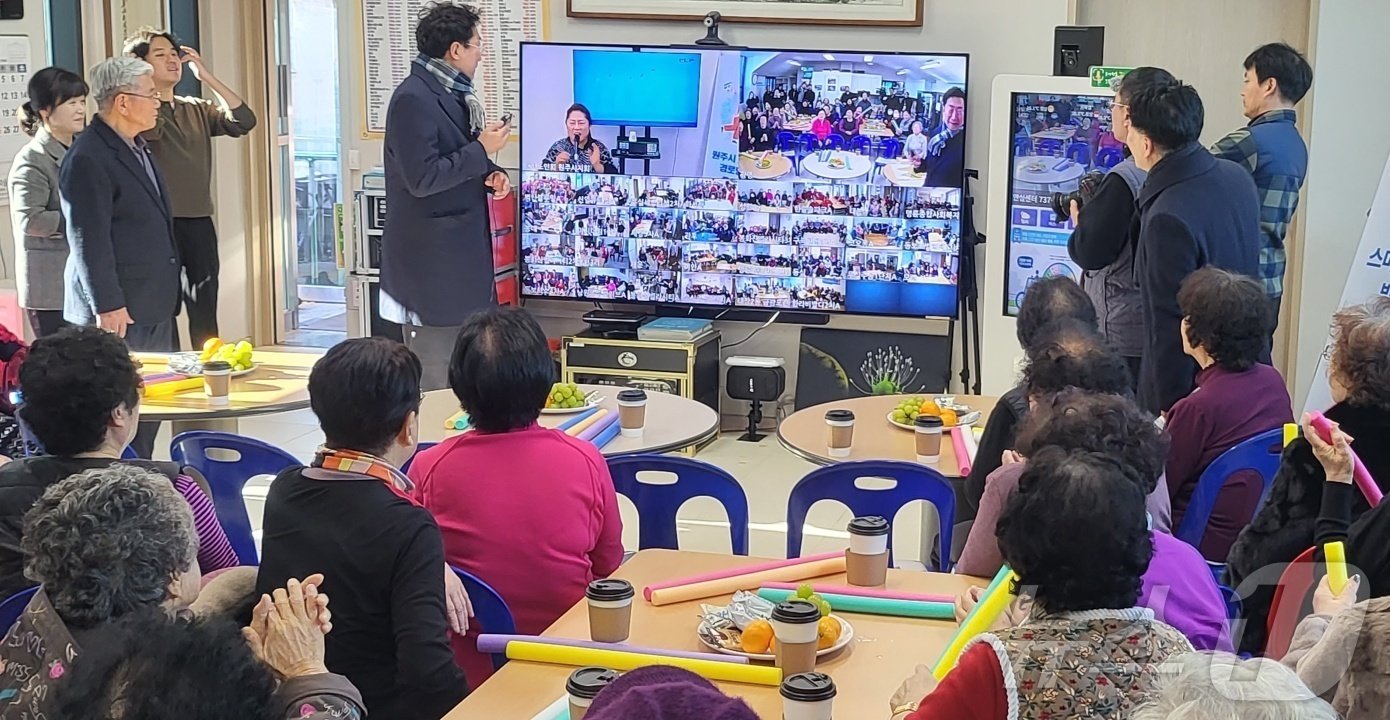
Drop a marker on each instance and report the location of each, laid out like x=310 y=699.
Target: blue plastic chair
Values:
x=657 y=505
x=1109 y=157
x=489 y=609
x=1079 y=152
x=889 y=149
x=786 y=141
x=419 y=448
x=1022 y=146
x=835 y=142
x=1050 y=146
x=805 y=146
x=129 y=453
x=13 y=607
x=1260 y=453
x=226 y=478
x=838 y=482
x=861 y=144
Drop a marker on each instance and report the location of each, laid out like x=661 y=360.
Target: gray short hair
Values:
x=107 y=542
x=112 y=77
x=1215 y=686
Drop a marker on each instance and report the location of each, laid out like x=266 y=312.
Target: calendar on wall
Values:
x=14 y=91
x=388 y=45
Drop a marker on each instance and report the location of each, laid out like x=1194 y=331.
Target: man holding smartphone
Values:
x=436 y=251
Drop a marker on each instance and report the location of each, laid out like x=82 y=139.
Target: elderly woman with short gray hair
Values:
x=1217 y=686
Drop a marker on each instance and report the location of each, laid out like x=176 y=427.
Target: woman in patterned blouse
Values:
x=579 y=150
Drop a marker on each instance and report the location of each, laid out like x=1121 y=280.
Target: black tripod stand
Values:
x=968 y=316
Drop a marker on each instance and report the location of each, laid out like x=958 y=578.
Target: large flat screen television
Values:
x=815 y=181
x=1057 y=140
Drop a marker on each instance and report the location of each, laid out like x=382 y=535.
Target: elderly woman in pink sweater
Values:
x=530 y=511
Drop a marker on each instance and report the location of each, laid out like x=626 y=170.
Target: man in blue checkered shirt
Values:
x=1276 y=78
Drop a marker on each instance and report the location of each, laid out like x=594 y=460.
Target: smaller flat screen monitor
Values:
x=1057 y=139
x=608 y=81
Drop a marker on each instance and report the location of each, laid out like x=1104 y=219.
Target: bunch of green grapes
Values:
x=808 y=593
x=237 y=355
x=565 y=396
x=907 y=411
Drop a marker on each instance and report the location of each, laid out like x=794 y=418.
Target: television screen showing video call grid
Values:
x=1056 y=140
x=779 y=219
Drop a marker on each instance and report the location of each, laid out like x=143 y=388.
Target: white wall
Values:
x=1002 y=36
x=1346 y=158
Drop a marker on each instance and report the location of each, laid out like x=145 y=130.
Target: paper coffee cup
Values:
x=868 y=535
x=217 y=382
x=610 y=610
x=929 y=429
x=840 y=424
x=632 y=412
x=807 y=696
x=796 y=625
x=584 y=685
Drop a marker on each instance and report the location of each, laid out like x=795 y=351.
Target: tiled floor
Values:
x=766 y=471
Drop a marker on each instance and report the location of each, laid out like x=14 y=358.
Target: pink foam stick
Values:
x=593 y=431
x=864 y=592
x=1360 y=474
x=963 y=459
x=736 y=571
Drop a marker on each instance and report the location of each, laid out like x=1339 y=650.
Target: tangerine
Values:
x=756 y=637
x=827 y=633
x=949 y=418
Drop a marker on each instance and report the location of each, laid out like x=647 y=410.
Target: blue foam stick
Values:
x=607 y=435
x=576 y=419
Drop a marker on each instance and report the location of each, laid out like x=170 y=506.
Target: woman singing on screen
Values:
x=580 y=151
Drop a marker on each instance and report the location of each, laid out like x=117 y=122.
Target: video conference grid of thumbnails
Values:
x=782 y=217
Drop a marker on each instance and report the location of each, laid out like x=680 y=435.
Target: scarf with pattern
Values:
x=460 y=85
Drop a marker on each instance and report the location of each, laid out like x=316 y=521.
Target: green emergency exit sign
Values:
x=1102 y=77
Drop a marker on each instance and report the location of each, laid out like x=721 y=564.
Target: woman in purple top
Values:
x=1225 y=326
x=1177 y=586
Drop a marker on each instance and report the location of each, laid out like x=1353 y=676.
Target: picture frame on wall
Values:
x=899 y=13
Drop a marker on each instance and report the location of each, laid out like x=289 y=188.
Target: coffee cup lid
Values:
x=796 y=612
x=808 y=687
x=928 y=421
x=609 y=589
x=870 y=525
x=839 y=415
x=217 y=366
x=586 y=682
x=632 y=395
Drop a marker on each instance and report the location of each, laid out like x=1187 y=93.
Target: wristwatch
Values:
x=904 y=710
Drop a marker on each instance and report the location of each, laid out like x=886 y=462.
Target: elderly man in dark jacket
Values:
x=1194 y=210
x=436 y=251
x=123 y=271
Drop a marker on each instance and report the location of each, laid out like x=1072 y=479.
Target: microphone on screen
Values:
x=576 y=142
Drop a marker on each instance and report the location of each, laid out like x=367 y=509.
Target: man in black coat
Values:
x=1194 y=210
x=436 y=251
x=944 y=163
x=123 y=271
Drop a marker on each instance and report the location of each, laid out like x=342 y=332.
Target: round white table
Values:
x=1047 y=175
x=855 y=165
x=903 y=173
x=673 y=423
x=778 y=165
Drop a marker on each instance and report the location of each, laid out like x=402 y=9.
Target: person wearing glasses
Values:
x=436 y=250
x=123 y=268
x=1103 y=244
x=181 y=142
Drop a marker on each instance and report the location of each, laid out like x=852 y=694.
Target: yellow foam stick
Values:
x=1290 y=433
x=582 y=425
x=619 y=660
x=993 y=603
x=1336 y=555
x=173 y=387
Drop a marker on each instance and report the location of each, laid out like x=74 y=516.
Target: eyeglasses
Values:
x=152 y=96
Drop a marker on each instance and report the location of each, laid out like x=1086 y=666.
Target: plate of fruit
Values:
x=240 y=355
x=567 y=398
x=944 y=407
x=743 y=628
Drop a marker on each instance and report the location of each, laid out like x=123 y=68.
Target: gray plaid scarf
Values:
x=458 y=84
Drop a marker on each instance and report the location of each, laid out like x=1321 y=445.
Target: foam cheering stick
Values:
x=1363 y=478
x=584 y=424
x=1290 y=433
x=558 y=710
x=964 y=460
x=993 y=603
x=1335 y=553
x=576 y=419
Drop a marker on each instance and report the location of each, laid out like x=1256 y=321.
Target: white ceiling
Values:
x=945 y=70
